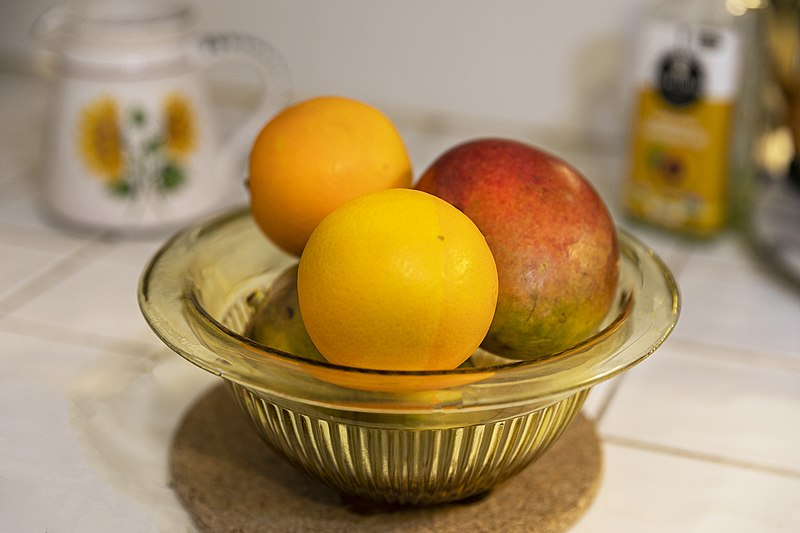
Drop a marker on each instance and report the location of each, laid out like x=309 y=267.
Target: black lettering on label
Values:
x=680 y=78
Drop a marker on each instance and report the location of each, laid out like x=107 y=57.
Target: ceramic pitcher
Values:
x=130 y=143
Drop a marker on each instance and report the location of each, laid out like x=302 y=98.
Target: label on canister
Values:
x=686 y=81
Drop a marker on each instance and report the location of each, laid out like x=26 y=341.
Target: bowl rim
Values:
x=615 y=323
x=247 y=362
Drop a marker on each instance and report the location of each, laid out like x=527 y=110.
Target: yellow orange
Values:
x=314 y=156
x=397 y=280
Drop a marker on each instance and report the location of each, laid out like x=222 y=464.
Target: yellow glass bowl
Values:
x=400 y=437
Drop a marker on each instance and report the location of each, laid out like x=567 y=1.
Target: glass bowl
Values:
x=392 y=436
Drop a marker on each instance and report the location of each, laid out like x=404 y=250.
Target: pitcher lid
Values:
x=116 y=20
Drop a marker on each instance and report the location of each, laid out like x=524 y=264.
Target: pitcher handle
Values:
x=275 y=76
x=49 y=22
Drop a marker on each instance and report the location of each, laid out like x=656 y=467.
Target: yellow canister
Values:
x=686 y=84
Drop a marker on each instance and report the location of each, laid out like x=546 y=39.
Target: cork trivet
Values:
x=229 y=480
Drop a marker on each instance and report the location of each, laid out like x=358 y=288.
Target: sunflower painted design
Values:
x=101 y=140
x=179 y=125
x=133 y=155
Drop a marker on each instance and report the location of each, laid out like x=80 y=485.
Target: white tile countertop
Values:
x=701 y=437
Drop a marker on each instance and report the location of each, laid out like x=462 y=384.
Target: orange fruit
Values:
x=397 y=280
x=314 y=156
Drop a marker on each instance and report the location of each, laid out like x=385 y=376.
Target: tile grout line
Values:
x=606 y=403
x=93 y=248
x=698 y=456
x=48 y=332
x=734 y=355
x=69 y=263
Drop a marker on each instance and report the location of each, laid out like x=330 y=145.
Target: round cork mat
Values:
x=229 y=480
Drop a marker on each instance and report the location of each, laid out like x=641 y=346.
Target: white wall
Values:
x=552 y=66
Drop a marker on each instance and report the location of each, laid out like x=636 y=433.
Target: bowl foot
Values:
x=362 y=506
